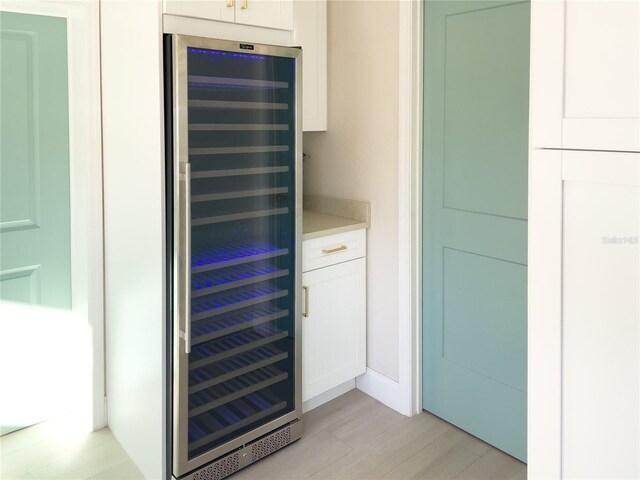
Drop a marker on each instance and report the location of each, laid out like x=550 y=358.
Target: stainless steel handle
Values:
x=187 y=254
x=186 y=226
x=306 y=302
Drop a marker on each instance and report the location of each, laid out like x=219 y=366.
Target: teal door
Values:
x=476 y=79
x=35 y=249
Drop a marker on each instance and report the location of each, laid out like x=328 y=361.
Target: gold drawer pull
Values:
x=334 y=250
x=230 y=3
x=245 y=5
x=306 y=302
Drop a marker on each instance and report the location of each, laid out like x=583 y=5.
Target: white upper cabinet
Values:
x=585 y=64
x=223 y=10
x=300 y=23
x=310 y=32
x=261 y=13
x=265 y=13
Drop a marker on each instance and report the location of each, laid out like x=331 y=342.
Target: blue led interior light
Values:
x=232 y=341
x=243 y=381
x=205 y=86
x=214 y=370
x=226 y=54
x=229 y=251
x=230 y=414
x=229 y=299
x=230 y=275
x=238 y=317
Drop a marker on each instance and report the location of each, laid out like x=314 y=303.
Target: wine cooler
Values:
x=234 y=210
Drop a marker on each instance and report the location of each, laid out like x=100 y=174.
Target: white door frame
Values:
x=85 y=159
x=410 y=205
x=405 y=395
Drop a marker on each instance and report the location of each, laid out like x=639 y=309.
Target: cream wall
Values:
x=358 y=156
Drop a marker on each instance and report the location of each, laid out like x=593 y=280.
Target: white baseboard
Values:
x=382 y=389
x=329 y=395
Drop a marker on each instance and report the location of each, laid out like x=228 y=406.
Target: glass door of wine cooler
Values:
x=236 y=271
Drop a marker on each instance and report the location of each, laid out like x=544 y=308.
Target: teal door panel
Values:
x=476 y=74
x=35 y=248
x=34 y=161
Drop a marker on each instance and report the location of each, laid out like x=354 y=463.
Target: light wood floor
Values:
x=351 y=437
x=357 y=437
x=56 y=450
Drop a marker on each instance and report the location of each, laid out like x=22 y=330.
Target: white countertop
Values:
x=316 y=224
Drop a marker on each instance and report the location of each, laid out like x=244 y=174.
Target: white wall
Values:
x=358 y=156
x=134 y=228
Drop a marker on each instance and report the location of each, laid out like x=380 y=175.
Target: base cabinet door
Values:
x=584 y=316
x=333 y=327
x=600 y=316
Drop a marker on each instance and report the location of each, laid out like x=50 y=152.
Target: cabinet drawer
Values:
x=332 y=249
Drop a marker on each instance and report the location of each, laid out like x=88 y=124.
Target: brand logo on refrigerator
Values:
x=246 y=46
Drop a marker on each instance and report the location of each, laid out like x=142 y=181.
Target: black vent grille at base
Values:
x=220 y=469
x=247 y=454
x=270 y=444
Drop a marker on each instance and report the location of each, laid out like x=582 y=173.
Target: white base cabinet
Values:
x=333 y=332
x=334 y=319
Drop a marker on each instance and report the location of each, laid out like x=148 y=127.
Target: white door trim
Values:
x=410 y=206
x=85 y=158
x=405 y=396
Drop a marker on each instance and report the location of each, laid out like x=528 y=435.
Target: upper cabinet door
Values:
x=265 y=13
x=310 y=33
x=585 y=75
x=210 y=9
x=260 y=13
